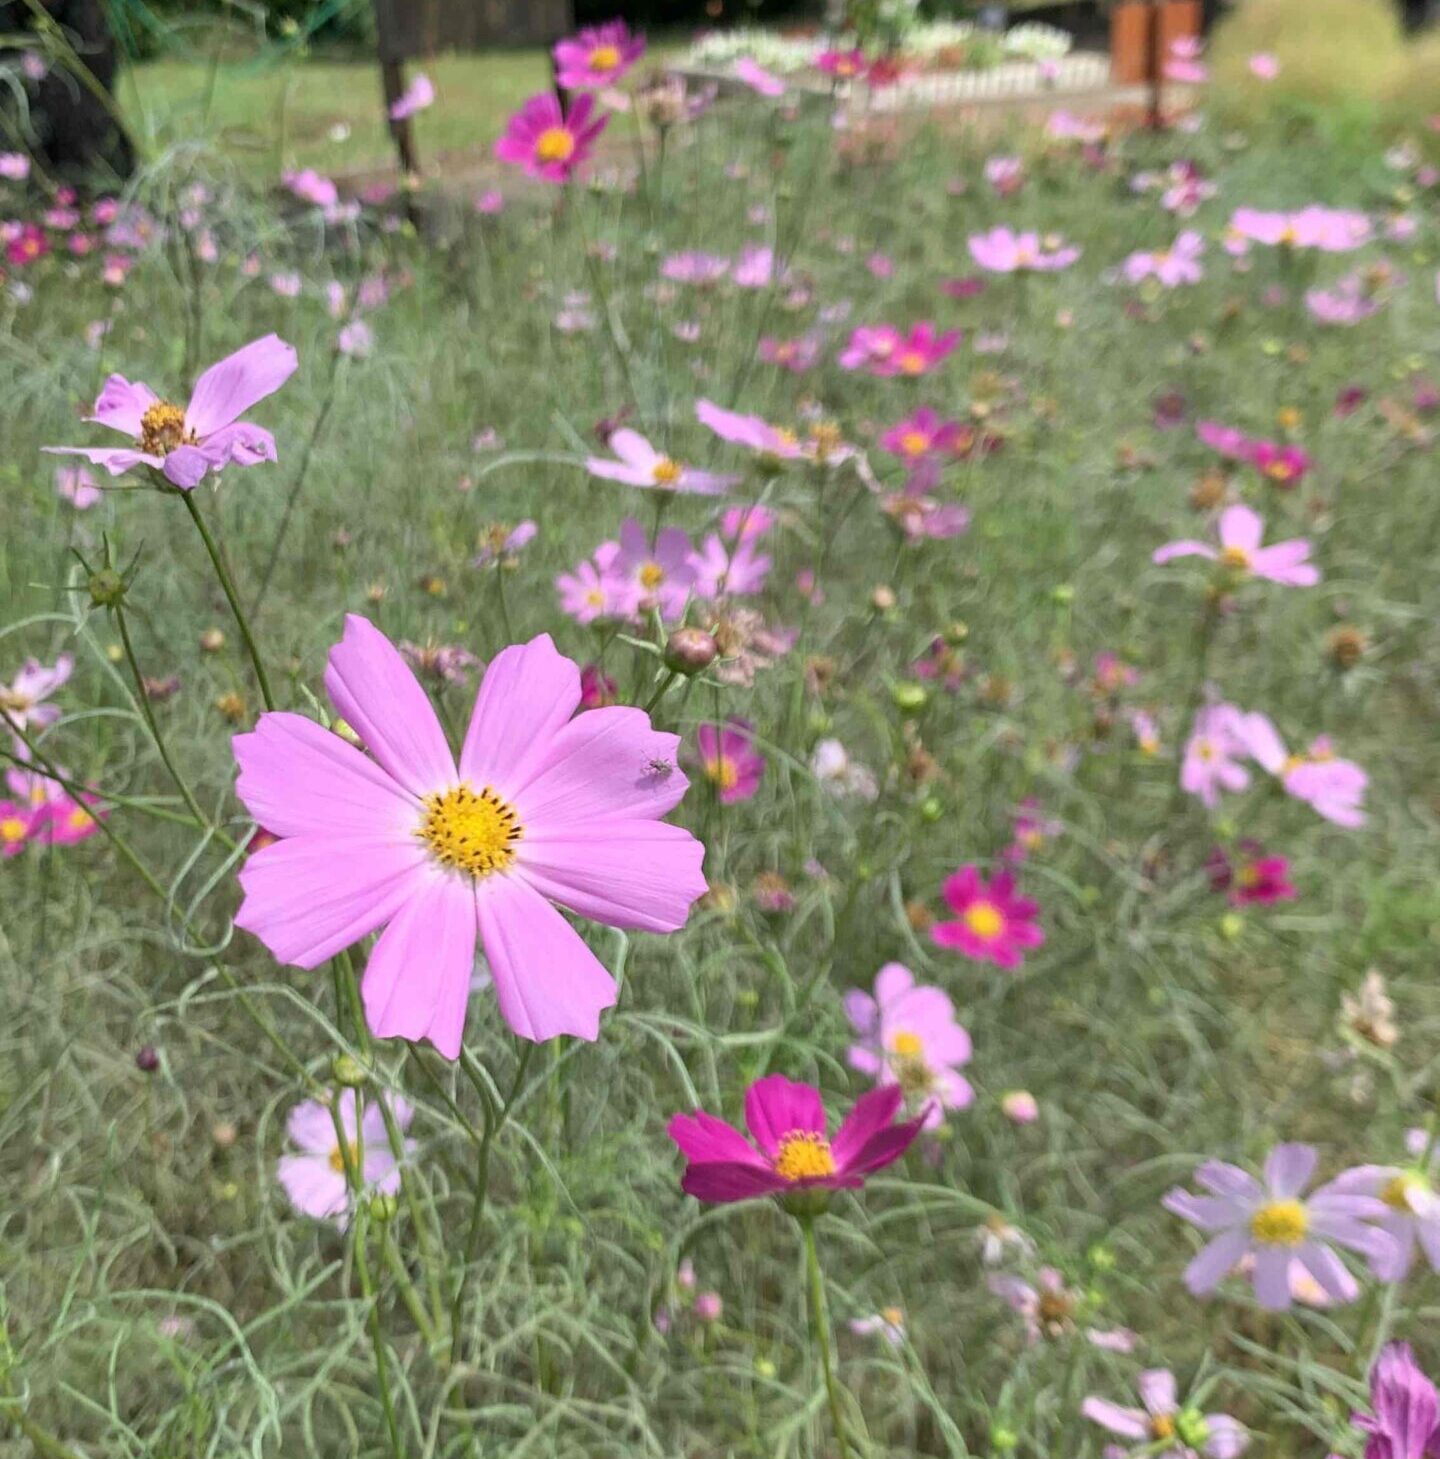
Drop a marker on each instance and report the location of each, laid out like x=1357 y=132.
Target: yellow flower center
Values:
x=604 y=58
x=12 y=829
x=1280 y=1223
x=162 y=429
x=914 y=443
x=1055 y=1308
x=1398 y=1191
x=595 y=598
x=824 y=438
x=651 y=576
x=666 y=472
x=912 y=362
x=1279 y=471
x=893 y=1315
x=1204 y=750
x=984 y=919
x=555 y=144
x=804 y=1155
x=339 y=1158
x=1237 y=558
x=1162 y=1426
x=79 y=819
x=470 y=832
x=14 y=701
x=723 y=772
x=1291 y=765
x=907 y=1045
x=1249 y=876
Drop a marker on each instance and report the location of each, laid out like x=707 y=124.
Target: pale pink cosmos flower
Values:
x=1003 y=251
x=1066 y=126
x=1328 y=230
x=1005 y=174
x=745 y=523
x=822 y=446
x=1184 y=64
x=794 y=355
x=14 y=166
x=754 y=268
x=908 y=1035
x=1264 y=66
x=1164 y=1427
x=888 y=1323
x=1047 y=1308
x=736 y=572
x=640 y=464
x=355 y=340
x=922 y=517
x=540 y=808
x=208 y=433
x=314 y=1176
x=416 y=97
x=500 y=544
x=1240 y=552
x=76 y=485
x=311 y=187
x=595 y=590
x=1331 y=787
x=1412 y=1216
x=1355 y=297
x=1213 y=753
x=695 y=267
x=1170 y=267
x=660 y=575
x=764 y=83
x=23 y=699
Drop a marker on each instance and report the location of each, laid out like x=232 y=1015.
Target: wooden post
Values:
x=1156 y=68
x=392 y=79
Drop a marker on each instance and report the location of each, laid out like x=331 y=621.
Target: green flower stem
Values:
x=820 y=1327
x=228 y=587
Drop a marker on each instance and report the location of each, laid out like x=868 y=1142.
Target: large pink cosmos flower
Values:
x=1003 y=251
x=908 y=1035
x=547 y=142
x=1241 y=553
x=787 y=1122
x=640 y=464
x=730 y=760
x=314 y=1179
x=1327 y=230
x=1274 y=1223
x=1165 y=1429
x=23 y=698
x=207 y=434
x=598 y=56
x=884 y=351
x=995 y=925
x=1331 y=787
x=539 y=809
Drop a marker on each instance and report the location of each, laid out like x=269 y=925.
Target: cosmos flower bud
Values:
x=882 y=599
x=932 y=808
x=1019 y=1107
x=107 y=588
x=348 y=1071
x=1345 y=645
x=383 y=1207
x=147 y=1060
x=212 y=640
x=909 y=697
x=689 y=651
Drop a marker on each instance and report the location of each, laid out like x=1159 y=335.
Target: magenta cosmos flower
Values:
x=795 y=1154
x=640 y=464
x=994 y=924
x=1240 y=551
x=908 y=1036
x=539 y=809
x=23 y=698
x=921 y=435
x=1405 y=1422
x=730 y=760
x=1165 y=1429
x=884 y=351
x=546 y=142
x=1251 y=878
x=1003 y=251
x=1274 y=1223
x=598 y=56
x=844 y=65
x=207 y=434
x=314 y=1178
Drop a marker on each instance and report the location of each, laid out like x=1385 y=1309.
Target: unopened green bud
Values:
x=107 y=588
x=383 y=1207
x=909 y=697
x=348 y=1071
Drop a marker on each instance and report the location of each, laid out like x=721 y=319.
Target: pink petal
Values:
x=633 y=449
x=528 y=693
x=1129 y=1423
x=185 y=467
x=311 y=1127
x=1272 y=1277
x=873 y=1111
x=723 y=1181
x=227 y=390
x=1288 y=1169
x=627 y=873
x=883 y=1148
x=382 y=701
x=1216 y=1261
x=1157 y=1390
x=891 y=982
x=705 y=1139
x=297 y=779
x=547 y=980
x=776 y=1106
x=242 y=444
x=313 y=1187
x=117 y=460
x=122 y=404
x=1184 y=548
x=1240 y=527
x=609 y=470
x=417 y=981
x=308 y=897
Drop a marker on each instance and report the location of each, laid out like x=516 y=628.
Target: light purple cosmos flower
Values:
x=640 y=464
x=314 y=1178
x=207 y=434
x=1163 y=1428
x=1274 y=1223
x=730 y=572
x=695 y=267
x=1412 y=1207
x=658 y=575
x=1405 y=1423
x=1331 y=787
x=1170 y=267
x=1240 y=551
x=1212 y=755
x=23 y=698
x=908 y=1036
x=595 y=590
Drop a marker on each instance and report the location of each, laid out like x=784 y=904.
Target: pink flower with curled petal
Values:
x=1332 y=787
x=23 y=698
x=417 y=96
x=731 y=572
x=640 y=464
x=1241 y=554
x=764 y=83
x=549 y=143
x=1003 y=251
x=908 y=1036
x=77 y=486
x=730 y=760
x=314 y=1177
x=437 y=854
x=208 y=434
x=922 y=517
x=597 y=56
x=796 y=1159
x=1165 y=1427
x=994 y=925
x=822 y=447
x=1275 y=1223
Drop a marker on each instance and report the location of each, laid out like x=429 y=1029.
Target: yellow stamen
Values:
x=1237 y=558
x=907 y=1045
x=1280 y=1223
x=984 y=919
x=651 y=576
x=666 y=472
x=339 y=1158
x=604 y=58
x=914 y=443
x=912 y=362
x=1398 y=1191
x=79 y=819
x=162 y=429
x=723 y=772
x=804 y=1155
x=554 y=144
x=14 y=701
x=1162 y=1426
x=893 y=1315
x=12 y=829
x=470 y=832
